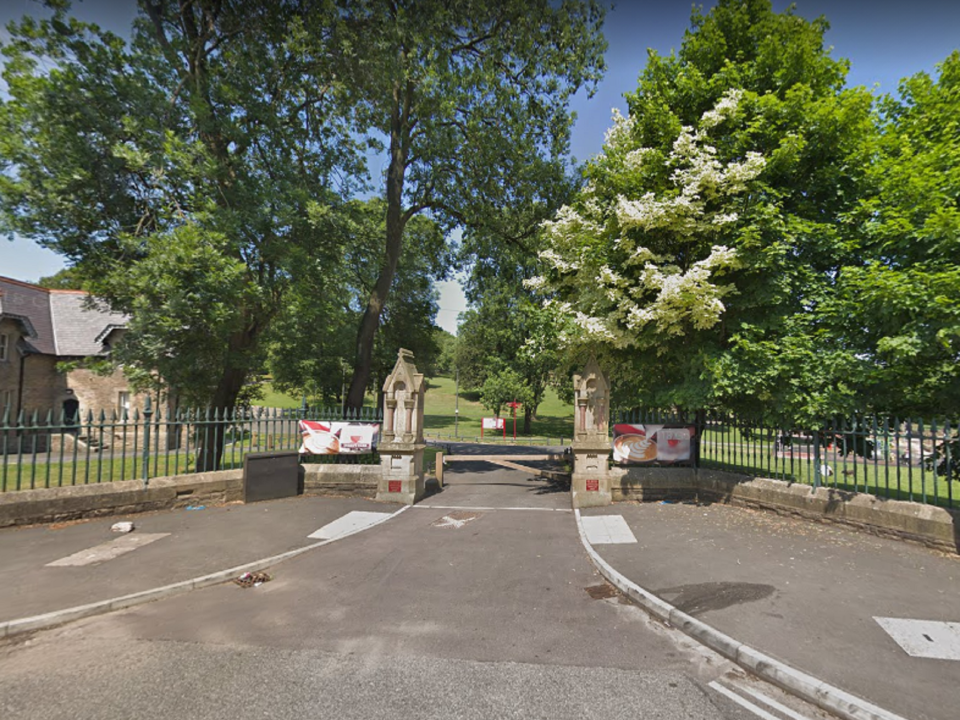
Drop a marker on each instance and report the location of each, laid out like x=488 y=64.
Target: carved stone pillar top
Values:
x=404 y=388
x=591 y=405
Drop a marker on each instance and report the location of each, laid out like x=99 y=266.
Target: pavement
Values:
x=185 y=544
x=816 y=597
x=824 y=600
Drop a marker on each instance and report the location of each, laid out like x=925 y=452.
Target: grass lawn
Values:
x=276 y=399
x=554 y=420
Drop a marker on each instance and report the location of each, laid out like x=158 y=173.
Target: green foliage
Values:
x=445 y=362
x=312 y=343
x=185 y=175
x=902 y=302
x=470 y=102
x=99 y=366
x=697 y=280
x=183 y=297
x=66 y=279
x=507 y=339
x=503 y=387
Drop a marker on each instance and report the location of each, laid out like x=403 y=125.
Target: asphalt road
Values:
x=478 y=603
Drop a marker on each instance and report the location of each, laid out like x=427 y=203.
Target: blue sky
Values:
x=885 y=41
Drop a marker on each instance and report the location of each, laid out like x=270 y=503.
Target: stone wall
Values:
x=10 y=366
x=41 y=382
x=653 y=483
x=29 y=507
x=43 y=387
x=927 y=524
x=329 y=479
x=100 y=392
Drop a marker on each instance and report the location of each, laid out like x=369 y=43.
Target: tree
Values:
x=713 y=227
x=311 y=345
x=445 y=363
x=506 y=349
x=502 y=387
x=900 y=308
x=66 y=279
x=186 y=175
x=470 y=100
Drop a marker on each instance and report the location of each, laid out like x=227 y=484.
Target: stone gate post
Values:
x=401 y=438
x=591 y=481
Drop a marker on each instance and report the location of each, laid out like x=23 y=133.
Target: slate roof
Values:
x=60 y=320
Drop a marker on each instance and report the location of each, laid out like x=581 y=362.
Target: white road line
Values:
x=351 y=522
x=607 y=530
x=770 y=702
x=108 y=550
x=421 y=506
x=755 y=709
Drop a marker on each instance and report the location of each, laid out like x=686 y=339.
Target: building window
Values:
x=6 y=403
x=4 y=347
x=123 y=402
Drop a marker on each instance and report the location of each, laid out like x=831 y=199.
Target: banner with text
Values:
x=652 y=443
x=338 y=438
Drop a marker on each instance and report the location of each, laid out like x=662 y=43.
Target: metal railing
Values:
x=43 y=450
x=889 y=457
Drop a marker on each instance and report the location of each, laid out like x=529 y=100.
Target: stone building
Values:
x=40 y=330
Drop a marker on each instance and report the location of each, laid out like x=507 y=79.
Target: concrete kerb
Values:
x=807 y=687
x=59 y=617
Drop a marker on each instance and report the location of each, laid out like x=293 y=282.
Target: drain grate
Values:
x=602 y=591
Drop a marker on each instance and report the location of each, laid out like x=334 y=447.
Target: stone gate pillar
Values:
x=401 y=438
x=591 y=481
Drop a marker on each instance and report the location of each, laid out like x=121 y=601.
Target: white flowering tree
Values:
x=641 y=266
x=702 y=256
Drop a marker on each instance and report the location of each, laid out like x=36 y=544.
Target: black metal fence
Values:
x=42 y=451
x=898 y=458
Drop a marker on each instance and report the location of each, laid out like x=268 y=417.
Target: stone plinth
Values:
x=401 y=447
x=401 y=473
x=591 y=480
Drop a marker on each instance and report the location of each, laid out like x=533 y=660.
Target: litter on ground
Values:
x=254 y=579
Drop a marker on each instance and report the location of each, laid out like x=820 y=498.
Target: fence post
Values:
x=816 y=458
x=147 y=414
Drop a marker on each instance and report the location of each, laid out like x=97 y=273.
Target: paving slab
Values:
x=811 y=595
x=54 y=567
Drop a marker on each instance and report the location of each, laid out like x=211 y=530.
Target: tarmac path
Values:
x=478 y=603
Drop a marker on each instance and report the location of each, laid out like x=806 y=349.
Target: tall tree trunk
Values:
x=211 y=433
x=527 y=417
x=396 y=220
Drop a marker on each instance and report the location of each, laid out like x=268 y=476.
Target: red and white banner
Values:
x=652 y=443
x=338 y=438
